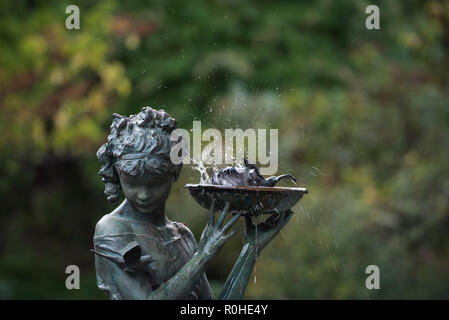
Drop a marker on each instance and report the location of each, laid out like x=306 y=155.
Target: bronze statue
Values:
x=140 y=253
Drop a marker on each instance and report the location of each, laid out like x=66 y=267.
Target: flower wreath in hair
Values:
x=136 y=144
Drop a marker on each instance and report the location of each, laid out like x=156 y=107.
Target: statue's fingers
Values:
x=226 y=207
x=211 y=220
x=249 y=222
x=287 y=215
x=223 y=214
x=231 y=222
x=230 y=234
x=274 y=217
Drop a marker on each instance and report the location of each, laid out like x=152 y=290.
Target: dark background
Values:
x=363 y=119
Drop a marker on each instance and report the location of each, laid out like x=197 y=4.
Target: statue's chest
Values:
x=172 y=255
x=169 y=249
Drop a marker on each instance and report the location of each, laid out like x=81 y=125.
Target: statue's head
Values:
x=136 y=158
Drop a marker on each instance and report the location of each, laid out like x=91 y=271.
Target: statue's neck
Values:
x=156 y=216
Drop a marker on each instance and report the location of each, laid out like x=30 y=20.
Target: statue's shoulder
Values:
x=185 y=231
x=112 y=223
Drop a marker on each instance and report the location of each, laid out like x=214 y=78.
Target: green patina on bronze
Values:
x=140 y=253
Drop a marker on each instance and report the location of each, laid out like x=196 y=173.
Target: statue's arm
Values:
x=134 y=285
x=122 y=284
x=256 y=238
x=237 y=281
x=205 y=291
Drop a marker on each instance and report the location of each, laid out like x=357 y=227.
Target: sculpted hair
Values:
x=136 y=144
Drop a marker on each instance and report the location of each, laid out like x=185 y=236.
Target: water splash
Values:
x=202 y=169
x=207 y=170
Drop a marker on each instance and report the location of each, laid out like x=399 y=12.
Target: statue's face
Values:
x=147 y=192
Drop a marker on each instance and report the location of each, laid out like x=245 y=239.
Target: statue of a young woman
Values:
x=140 y=253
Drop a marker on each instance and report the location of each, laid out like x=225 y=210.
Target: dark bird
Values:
x=249 y=175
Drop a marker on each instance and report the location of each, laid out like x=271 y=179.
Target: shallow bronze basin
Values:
x=247 y=200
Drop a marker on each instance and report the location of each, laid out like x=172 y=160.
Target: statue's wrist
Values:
x=201 y=258
x=255 y=246
x=251 y=249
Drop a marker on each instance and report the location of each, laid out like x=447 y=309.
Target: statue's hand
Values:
x=261 y=234
x=215 y=235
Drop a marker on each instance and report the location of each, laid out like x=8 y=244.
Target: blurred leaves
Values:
x=363 y=119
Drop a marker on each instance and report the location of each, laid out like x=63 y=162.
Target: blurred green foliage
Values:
x=363 y=119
